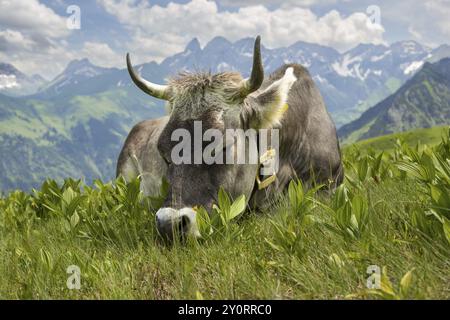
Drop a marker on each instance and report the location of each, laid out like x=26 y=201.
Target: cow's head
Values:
x=216 y=101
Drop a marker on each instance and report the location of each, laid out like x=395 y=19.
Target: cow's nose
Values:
x=170 y=222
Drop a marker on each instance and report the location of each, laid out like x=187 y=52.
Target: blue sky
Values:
x=35 y=38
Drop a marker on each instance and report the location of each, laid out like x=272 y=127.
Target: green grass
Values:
x=392 y=212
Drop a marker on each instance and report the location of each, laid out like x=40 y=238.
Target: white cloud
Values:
x=301 y=3
x=32 y=37
x=426 y=21
x=35 y=39
x=160 y=31
x=14 y=40
x=47 y=63
x=32 y=17
x=101 y=54
x=56 y=58
x=441 y=10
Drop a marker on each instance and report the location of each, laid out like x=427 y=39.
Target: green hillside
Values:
x=429 y=136
x=422 y=102
x=66 y=136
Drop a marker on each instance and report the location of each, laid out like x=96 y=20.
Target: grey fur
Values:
x=309 y=148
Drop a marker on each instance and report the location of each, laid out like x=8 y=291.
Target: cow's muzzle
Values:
x=171 y=223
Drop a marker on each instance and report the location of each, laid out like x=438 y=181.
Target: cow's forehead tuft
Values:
x=201 y=81
x=198 y=93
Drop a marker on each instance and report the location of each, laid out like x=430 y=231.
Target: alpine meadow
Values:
x=392 y=211
x=225 y=154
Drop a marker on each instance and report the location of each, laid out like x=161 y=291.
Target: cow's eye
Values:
x=165 y=157
x=167 y=160
x=163 y=154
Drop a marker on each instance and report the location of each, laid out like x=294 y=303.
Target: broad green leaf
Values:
x=441 y=198
x=363 y=169
x=340 y=196
x=413 y=169
x=292 y=193
x=360 y=210
x=237 y=207
x=428 y=166
x=224 y=200
x=68 y=195
x=73 y=205
x=74 y=219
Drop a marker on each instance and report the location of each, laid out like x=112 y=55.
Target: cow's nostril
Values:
x=184 y=223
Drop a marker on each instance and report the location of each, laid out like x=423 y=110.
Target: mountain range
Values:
x=350 y=82
x=422 y=102
x=75 y=124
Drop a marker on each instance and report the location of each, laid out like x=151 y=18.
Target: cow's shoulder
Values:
x=140 y=136
x=145 y=130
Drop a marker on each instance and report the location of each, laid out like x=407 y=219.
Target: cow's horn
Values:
x=257 y=76
x=155 y=90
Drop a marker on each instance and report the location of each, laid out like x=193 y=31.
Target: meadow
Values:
x=391 y=215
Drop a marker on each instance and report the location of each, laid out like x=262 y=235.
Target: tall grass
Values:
x=393 y=211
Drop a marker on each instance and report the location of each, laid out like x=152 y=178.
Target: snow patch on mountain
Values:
x=343 y=68
x=377 y=72
x=87 y=71
x=380 y=57
x=360 y=74
x=414 y=66
x=8 y=81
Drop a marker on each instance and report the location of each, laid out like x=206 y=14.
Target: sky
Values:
x=43 y=36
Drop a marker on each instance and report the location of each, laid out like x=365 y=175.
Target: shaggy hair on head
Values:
x=197 y=83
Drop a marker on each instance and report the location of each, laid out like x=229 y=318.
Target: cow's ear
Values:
x=272 y=102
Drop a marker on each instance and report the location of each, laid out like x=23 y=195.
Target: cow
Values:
x=287 y=100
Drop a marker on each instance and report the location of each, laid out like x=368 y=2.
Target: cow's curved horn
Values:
x=155 y=90
x=257 y=76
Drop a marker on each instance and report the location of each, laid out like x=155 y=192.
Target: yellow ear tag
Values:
x=266 y=182
x=267 y=156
